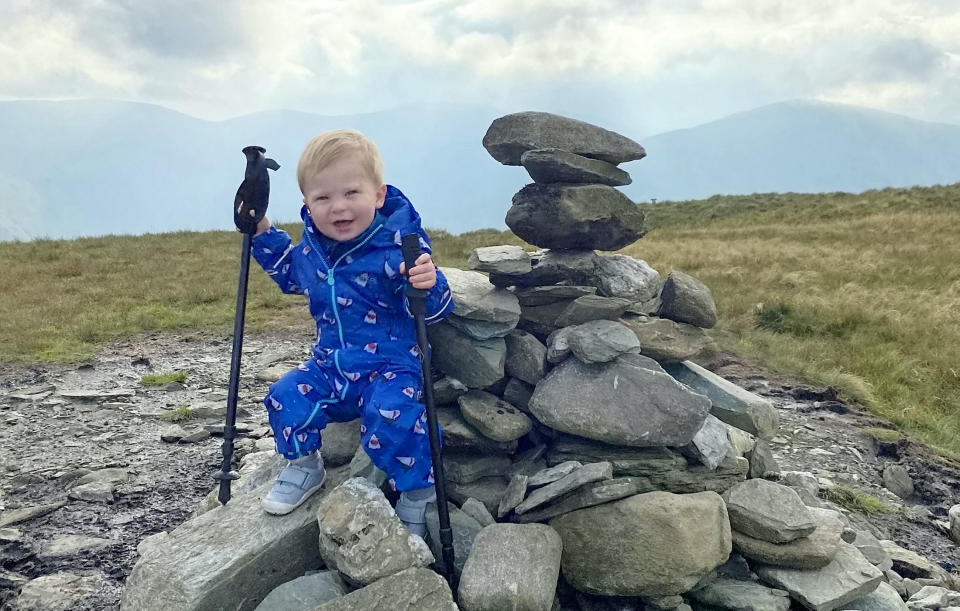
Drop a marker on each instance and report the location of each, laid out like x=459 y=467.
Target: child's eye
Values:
x=352 y=192
x=321 y=198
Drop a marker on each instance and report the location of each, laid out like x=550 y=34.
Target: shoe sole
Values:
x=281 y=509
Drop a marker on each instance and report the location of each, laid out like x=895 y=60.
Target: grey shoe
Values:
x=294 y=485
x=412 y=510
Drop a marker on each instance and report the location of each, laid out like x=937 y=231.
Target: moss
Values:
x=855 y=500
x=181 y=413
x=159 y=379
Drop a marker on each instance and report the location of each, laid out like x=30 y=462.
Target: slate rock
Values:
x=510 y=136
x=810 y=552
x=213 y=561
x=557 y=346
x=305 y=592
x=654 y=544
x=768 y=511
x=665 y=340
x=573 y=267
x=909 y=563
x=173 y=434
x=730 y=403
x=872 y=550
x=620 y=275
x=93 y=492
x=517 y=393
x=72 y=545
x=362 y=466
x=589 y=495
x=884 y=598
x=556 y=165
x=464 y=468
x=848 y=577
x=22 y=514
x=479 y=329
x=464 y=530
x=545 y=295
x=478 y=511
x=447 y=389
x=762 y=460
x=513 y=566
x=600 y=341
x=154 y=542
x=686 y=299
x=586 y=474
x=575 y=216
x=474 y=297
x=111 y=475
x=476 y=363
x=461 y=436
x=513 y=495
x=493 y=417
x=487 y=490
x=58 y=591
x=362 y=537
x=553 y=473
x=897 y=480
x=507 y=259
x=414 y=589
x=711 y=444
x=591 y=307
x=526 y=357
x=741 y=596
x=954 y=516
x=619 y=403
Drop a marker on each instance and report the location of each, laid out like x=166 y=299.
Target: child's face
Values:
x=342 y=199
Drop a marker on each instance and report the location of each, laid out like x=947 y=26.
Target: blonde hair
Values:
x=327 y=147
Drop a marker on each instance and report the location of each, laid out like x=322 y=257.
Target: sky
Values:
x=652 y=65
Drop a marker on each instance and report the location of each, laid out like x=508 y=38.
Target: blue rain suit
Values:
x=365 y=361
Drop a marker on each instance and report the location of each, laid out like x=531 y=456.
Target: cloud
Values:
x=657 y=62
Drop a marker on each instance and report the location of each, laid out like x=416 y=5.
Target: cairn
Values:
x=590 y=463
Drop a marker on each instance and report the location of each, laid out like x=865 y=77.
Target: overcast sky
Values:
x=642 y=65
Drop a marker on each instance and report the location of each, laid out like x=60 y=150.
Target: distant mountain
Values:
x=79 y=168
x=798 y=146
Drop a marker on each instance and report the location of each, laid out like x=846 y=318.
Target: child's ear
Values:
x=381 y=195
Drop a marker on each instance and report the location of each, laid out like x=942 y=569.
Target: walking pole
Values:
x=410 y=245
x=249 y=207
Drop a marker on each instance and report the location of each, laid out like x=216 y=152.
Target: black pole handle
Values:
x=410 y=246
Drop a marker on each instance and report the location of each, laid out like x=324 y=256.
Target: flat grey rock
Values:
x=584 y=475
x=556 y=165
x=526 y=357
x=589 y=495
x=557 y=346
x=362 y=537
x=600 y=341
x=619 y=403
x=173 y=434
x=623 y=276
x=848 y=577
x=544 y=295
x=97 y=395
x=511 y=135
x=872 y=550
x=517 y=393
x=554 y=473
x=461 y=436
x=500 y=259
x=72 y=545
x=478 y=511
x=575 y=216
x=479 y=329
x=447 y=389
x=58 y=592
x=474 y=297
x=93 y=492
x=513 y=495
x=305 y=592
x=730 y=403
x=493 y=417
x=513 y=566
x=769 y=511
x=464 y=530
x=884 y=598
x=686 y=299
x=415 y=589
x=476 y=363
x=487 y=490
x=649 y=545
x=711 y=444
x=590 y=308
x=666 y=340
x=810 y=552
x=574 y=267
x=22 y=514
x=256 y=469
x=111 y=475
x=211 y=561
x=762 y=460
x=897 y=480
x=737 y=595
x=464 y=468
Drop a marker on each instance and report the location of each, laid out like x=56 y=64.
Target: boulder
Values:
x=476 y=363
x=762 y=460
x=305 y=592
x=229 y=558
x=654 y=544
x=517 y=393
x=526 y=357
x=556 y=165
x=256 y=469
x=848 y=577
x=623 y=276
x=897 y=480
x=362 y=537
x=461 y=436
x=573 y=267
x=589 y=308
x=911 y=564
x=811 y=552
x=729 y=402
x=510 y=136
x=493 y=417
x=710 y=445
x=513 y=566
x=575 y=216
x=666 y=340
x=686 y=299
x=600 y=341
x=884 y=598
x=58 y=591
x=954 y=516
x=620 y=402
x=500 y=259
x=768 y=511
x=474 y=297
x=414 y=589
x=738 y=595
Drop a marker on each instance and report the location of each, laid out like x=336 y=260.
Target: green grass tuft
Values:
x=882 y=434
x=855 y=500
x=182 y=413
x=159 y=379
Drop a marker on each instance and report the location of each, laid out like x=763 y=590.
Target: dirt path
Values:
x=49 y=442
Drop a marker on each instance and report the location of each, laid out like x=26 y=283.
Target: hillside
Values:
x=93 y=167
x=860 y=292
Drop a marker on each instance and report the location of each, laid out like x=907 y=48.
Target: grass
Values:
x=882 y=434
x=159 y=379
x=855 y=500
x=860 y=292
x=182 y=413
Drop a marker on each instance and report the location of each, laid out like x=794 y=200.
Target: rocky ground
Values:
x=53 y=440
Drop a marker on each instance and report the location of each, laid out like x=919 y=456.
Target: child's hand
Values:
x=423 y=275
x=262 y=226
